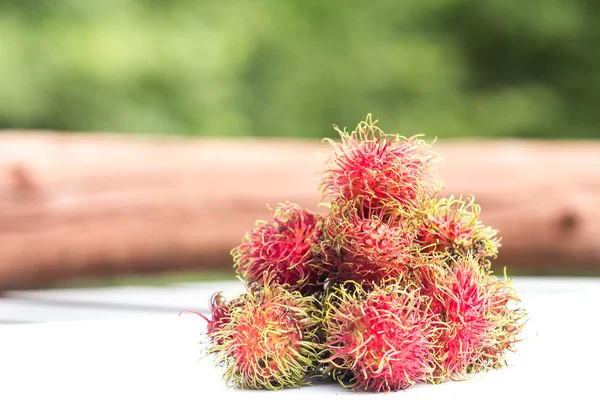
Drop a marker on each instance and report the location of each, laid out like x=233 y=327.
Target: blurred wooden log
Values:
x=92 y=205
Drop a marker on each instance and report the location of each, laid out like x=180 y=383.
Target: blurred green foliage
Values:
x=294 y=67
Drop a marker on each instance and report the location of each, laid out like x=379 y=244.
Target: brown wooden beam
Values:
x=86 y=205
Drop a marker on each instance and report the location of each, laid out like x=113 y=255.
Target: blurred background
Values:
x=292 y=68
x=237 y=72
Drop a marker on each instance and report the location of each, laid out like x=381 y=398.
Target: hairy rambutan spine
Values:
x=365 y=245
x=474 y=312
x=380 y=167
x=270 y=339
x=220 y=310
x=378 y=340
x=452 y=225
x=508 y=317
x=281 y=250
x=465 y=316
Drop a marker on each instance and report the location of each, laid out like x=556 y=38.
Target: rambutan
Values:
x=363 y=245
x=281 y=250
x=471 y=308
x=468 y=328
x=452 y=225
x=380 y=340
x=380 y=167
x=269 y=340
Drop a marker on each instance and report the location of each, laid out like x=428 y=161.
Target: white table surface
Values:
x=130 y=343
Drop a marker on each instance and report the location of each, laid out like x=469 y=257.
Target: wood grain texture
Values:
x=93 y=204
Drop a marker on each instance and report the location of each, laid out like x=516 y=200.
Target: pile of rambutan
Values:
x=392 y=287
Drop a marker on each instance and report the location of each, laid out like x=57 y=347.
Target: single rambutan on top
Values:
x=452 y=225
x=380 y=340
x=282 y=250
x=269 y=339
x=367 y=246
x=380 y=167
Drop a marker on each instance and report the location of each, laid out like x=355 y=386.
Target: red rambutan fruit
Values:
x=477 y=325
x=378 y=340
x=452 y=225
x=281 y=250
x=465 y=303
x=380 y=168
x=269 y=339
x=366 y=246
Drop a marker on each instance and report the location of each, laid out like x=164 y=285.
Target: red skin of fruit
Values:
x=452 y=224
x=476 y=322
x=281 y=250
x=220 y=311
x=267 y=339
x=365 y=246
x=383 y=338
x=380 y=168
x=253 y=346
x=468 y=327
